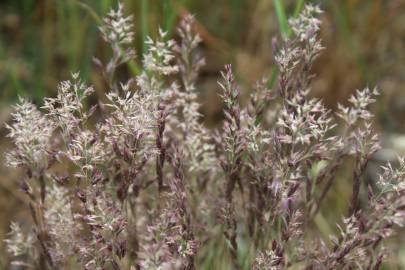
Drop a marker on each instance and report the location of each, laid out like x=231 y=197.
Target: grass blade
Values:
x=144 y=23
x=282 y=17
x=298 y=7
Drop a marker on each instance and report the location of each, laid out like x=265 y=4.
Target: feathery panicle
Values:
x=66 y=110
x=160 y=56
x=30 y=132
x=19 y=243
x=116 y=28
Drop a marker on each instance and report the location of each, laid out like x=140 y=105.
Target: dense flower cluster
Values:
x=145 y=185
x=32 y=142
x=117 y=29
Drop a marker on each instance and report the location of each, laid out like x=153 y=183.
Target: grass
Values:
x=67 y=32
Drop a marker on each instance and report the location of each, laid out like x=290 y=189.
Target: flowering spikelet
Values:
x=267 y=261
x=305 y=121
x=199 y=151
x=160 y=56
x=19 y=243
x=66 y=110
x=132 y=120
x=86 y=152
x=391 y=178
x=117 y=29
x=358 y=111
x=106 y=242
x=60 y=224
x=190 y=61
x=30 y=133
x=306 y=26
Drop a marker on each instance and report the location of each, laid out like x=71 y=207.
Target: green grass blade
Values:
x=91 y=11
x=298 y=7
x=106 y=4
x=144 y=23
x=170 y=14
x=281 y=17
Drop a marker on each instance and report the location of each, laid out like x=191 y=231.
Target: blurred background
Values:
x=43 y=41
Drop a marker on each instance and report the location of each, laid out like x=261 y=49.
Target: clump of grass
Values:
x=150 y=187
